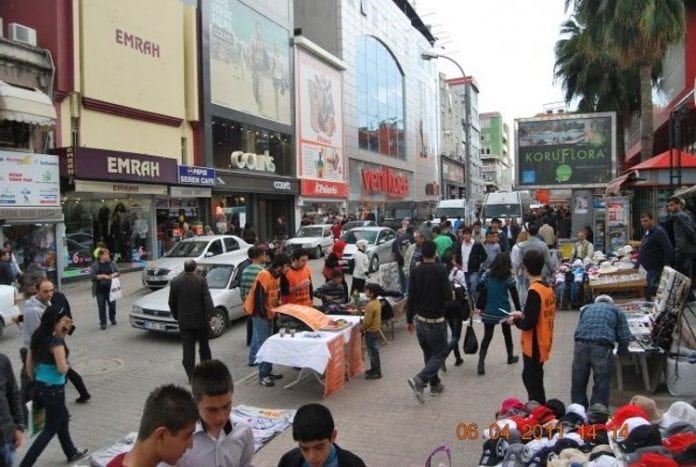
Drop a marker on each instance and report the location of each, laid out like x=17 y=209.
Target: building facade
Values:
x=495 y=152
x=452 y=148
x=390 y=102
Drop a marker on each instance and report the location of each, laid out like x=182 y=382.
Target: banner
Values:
x=28 y=179
x=355 y=360
x=336 y=369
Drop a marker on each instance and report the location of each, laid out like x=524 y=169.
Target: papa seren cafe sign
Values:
x=386 y=181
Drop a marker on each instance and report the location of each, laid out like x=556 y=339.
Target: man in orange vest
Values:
x=296 y=287
x=536 y=323
x=260 y=301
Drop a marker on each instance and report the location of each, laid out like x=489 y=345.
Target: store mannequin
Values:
x=140 y=230
x=121 y=233
x=102 y=230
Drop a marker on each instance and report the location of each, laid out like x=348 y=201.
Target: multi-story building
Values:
x=390 y=101
x=452 y=147
x=495 y=152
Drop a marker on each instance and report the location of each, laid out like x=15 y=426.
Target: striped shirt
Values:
x=248 y=278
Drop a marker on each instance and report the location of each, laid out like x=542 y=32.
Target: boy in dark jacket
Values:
x=313 y=429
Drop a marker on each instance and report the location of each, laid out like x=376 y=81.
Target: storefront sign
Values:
x=452 y=172
x=28 y=179
x=282 y=186
x=134 y=42
x=385 y=180
x=323 y=189
x=191 y=175
x=123 y=166
x=190 y=192
x=31 y=214
x=236 y=182
x=248 y=160
x=89 y=186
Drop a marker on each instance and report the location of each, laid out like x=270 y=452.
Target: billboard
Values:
x=29 y=179
x=249 y=62
x=566 y=151
x=320 y=154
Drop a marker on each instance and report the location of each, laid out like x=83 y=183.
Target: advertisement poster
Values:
x=28 y=180
x=566 y=151
x=618 y=221
x=249 y=62
x=319 y=98
x=336 y=369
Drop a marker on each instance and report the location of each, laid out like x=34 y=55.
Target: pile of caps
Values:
x=637 y=434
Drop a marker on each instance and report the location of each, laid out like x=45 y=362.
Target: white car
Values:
x=151 y=312
x=8 y=306
x=317 y=239
x=379 y=246
x=158 y=273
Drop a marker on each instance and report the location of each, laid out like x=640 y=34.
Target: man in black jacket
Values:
x=429 y=288
x=191 y=305
x=11 y=415
x=655 y=251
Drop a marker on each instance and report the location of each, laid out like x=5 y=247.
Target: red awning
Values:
x=662 y=161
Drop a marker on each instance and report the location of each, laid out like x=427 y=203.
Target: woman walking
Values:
x=47 y=364
x=103 y=273
x=499 y=287
x=456 y=308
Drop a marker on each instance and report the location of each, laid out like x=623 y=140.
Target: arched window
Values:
x=380 y=93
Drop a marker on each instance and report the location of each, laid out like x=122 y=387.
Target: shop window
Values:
x=380 y=99
x=215 y=248
x=34 y=247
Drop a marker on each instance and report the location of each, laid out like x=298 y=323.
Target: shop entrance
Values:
x=272 y=208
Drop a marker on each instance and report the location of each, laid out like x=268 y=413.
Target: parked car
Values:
x=355 y=224
x=158 y=273
x=379 y=246
x=8 y=306
x=316 y=239
x=151 y=312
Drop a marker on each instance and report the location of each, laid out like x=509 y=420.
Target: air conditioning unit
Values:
x=20 y=33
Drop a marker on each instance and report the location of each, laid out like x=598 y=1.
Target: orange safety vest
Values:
x=295 y=277
x=543 y=332
x=271 y=287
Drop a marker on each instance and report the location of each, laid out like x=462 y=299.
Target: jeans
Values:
x=263 y=328
x=488 y=329
x=26 y=386
x=249 y=332
x=7 y=453
x=653 y=280
x=683 y=262
x=600 y=361
x=432 y=338
x=472 y=279
x=188 y=341
x=575 y=292
x=52 y=398
x=533 y=379
x=403 y=281
x=455 y=325
x=372 y=344
x=102 y=301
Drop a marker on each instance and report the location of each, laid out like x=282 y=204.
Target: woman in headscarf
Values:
x=333 y=263
x=361 y=270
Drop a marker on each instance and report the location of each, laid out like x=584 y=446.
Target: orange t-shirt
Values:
x=295 y=277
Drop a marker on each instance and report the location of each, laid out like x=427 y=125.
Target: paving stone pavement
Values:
x=380 y=420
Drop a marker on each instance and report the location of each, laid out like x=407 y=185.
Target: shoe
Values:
x=79 y=454
x=512 y=359
x=417 y=388
x=275 y=377
x=83 y=399
x=373 y=375
x=252 y=364
x=443 y=367
x=267 y=382
x=459 y=362
x=102 y=326
x=113 y=322
x=437 y=390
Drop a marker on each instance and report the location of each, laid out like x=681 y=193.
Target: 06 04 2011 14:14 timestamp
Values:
x=472 y=432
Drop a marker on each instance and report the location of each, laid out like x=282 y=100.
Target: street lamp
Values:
x=430 y=54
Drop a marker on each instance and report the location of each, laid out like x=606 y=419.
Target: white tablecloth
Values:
x=304 y=351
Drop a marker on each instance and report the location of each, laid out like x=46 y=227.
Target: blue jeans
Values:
x=263 y=329
x=653 y=280
x=600 y=361
x=7 y=453
x=372 y=344
x=575 y=298
x=102 y=302
x=472 y=279
x=432 y=338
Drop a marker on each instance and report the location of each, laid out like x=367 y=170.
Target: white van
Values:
x=450 y=208
x=505 y=204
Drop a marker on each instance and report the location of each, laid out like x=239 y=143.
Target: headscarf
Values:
x=361 y=244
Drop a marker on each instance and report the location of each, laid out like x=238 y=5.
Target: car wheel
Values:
x=318 y=253
x=218 y=323
x=374 y=264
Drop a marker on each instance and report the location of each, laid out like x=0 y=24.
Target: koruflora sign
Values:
x=569 y=151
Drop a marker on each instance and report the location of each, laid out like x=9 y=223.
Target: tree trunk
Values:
x=646 y=113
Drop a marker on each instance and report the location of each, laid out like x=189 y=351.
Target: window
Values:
x=215 y=248
x=231 y=244
x=380 y=99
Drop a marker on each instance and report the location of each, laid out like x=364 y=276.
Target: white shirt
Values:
x=466 y=252
x=233 y=448
x=362 y=265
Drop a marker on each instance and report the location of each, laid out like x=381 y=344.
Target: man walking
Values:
x=428 y=289
x=534 y=243
x=191 y=305
x=260 y=301
x=470 y=254
x=600 y=326
x=684 y=236
x=655 y=251
x=11 y=414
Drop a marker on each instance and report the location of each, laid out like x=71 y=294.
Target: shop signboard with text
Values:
x=452 y=172
x=191 y=175
x=28 y=180
x=569 y=151
x=102 y=164
x=378 y=182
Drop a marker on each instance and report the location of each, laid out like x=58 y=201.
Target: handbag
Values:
x=470 y=341
x=115 y=293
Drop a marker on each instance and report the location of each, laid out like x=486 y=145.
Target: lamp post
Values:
x=430 y=54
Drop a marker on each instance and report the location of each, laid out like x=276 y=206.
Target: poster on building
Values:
x=571 y=151
x=249 y=62
x=28 y=180
x=319 y=103
x=618 y=222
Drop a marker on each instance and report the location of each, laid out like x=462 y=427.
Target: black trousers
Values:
x=533 y=379
x=188 y=341
x=488 y=329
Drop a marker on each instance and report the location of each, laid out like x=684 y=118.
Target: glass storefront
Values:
x=172 y=214
x=34 y=246
x=230 y=213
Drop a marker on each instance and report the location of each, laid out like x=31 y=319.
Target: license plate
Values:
x=155 y=326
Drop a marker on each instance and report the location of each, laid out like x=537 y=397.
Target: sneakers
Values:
x=372 y=375
x=437 y=390
x=417 y=388
x=275 y=377
x=102 y=326
x=267 y=382
x=512 y=359
x=79 y=454
x=113 y=322
x=459 y=362
x=83 y=399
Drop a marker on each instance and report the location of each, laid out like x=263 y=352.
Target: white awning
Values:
x=26 y=105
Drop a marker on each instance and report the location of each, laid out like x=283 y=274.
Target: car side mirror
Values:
x=234 y=284
x=382 y=241
x=208 y=254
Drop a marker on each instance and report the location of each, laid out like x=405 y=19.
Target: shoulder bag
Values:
x=470 y=341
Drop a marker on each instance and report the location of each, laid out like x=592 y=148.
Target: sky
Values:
x=507 y=45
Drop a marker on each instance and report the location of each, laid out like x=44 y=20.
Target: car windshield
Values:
x=217 y=276
x=187 y=250
x=502 y=210
x=449 y=212
x=353 y=224
x=353 y=236
x=309 y=232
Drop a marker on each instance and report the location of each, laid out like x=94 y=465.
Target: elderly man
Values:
x=655 y=251
x=600 y=326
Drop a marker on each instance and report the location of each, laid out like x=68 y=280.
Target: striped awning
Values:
x=25 y=105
